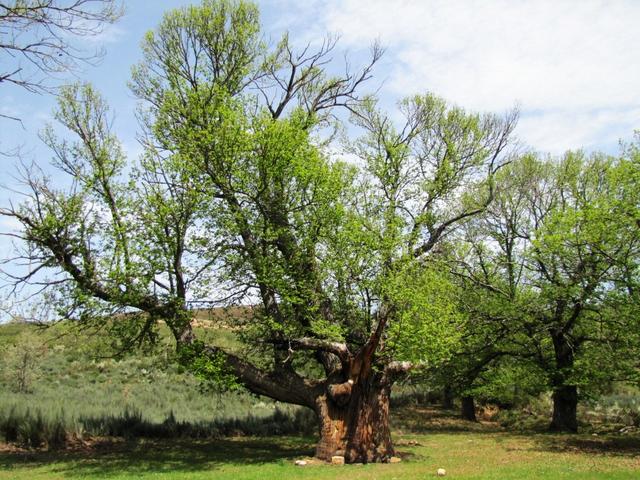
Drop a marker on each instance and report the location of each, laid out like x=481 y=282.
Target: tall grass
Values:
x=32 y=429
x=76 y=395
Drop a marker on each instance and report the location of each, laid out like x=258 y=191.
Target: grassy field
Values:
x=468 y=455
x=73 y=378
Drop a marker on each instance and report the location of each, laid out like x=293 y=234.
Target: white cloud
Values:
x=572 y=66
x=9 y=107
x=110 y=34
x=9 y=225
x=558 y=131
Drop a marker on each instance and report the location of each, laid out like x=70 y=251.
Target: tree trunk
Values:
x=447 y=397
x=354 y=422
x=565 y=397
x=565 y=406
x=352 y=403
x=468 y=408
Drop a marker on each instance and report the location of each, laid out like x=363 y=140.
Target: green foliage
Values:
x=548 y=274
x=509 y=383
x=23 y=360
x=238 y=191
x=428 y=327
x=209 y=368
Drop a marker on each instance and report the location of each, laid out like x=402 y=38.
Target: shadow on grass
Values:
x=431 y=419
x=113 y=458
x=616 y=446
x=427 y=420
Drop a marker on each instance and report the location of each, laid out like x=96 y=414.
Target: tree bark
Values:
x=565 y=406
x=354 y=421
x=565 y=397
x=447 y=397
x=468 y=408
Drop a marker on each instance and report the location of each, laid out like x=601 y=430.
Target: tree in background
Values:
x=556 y=257
x=22 y=361
x=239 y=199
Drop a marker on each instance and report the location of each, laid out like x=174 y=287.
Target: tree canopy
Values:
x=550 y=267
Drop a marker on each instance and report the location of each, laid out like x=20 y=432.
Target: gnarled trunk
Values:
x=565 y=406
x=468 y=408
x=354 y=421
x=352 y=403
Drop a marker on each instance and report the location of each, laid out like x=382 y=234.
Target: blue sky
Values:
x=573 y=67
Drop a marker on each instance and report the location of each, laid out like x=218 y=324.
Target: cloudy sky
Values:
x=572 y=67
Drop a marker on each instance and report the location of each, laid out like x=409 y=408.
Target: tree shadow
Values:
x=158 y=456
x=618 y=446
x=430 y=419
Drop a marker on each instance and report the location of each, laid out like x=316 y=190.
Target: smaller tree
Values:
x=22 y=361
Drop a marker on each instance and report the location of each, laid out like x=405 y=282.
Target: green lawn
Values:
x=476 y=455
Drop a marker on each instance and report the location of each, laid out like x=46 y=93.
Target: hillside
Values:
x=69 y=380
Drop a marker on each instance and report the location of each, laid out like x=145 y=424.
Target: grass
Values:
x=70 y=375
x=468 y=455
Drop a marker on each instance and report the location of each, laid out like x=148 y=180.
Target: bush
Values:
x=33 y=430
x=23 y=360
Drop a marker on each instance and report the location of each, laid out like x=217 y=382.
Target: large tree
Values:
x=555 y=256
x=238 y=198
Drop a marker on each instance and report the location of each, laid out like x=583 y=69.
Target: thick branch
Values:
x=340 y=350
x=285 y=386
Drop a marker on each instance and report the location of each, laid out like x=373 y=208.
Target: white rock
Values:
x=441 y=472
x=301 y=463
